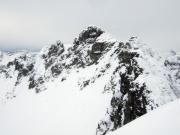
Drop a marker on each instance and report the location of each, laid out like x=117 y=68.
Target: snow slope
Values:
x=162 y=121
x=62 y=109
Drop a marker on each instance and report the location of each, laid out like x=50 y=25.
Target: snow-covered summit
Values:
x=111 y=81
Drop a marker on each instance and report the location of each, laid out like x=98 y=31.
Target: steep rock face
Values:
x=54 y=51
x=50 y=64
x=89 y=35
x=87 y=48
x=137 y=78
x=129 y=98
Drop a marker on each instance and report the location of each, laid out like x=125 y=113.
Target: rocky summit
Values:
x=124 y=79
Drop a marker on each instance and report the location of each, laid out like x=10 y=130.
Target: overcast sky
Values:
x=32 y=24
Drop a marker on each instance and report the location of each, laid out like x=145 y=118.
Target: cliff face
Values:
x=137 y=79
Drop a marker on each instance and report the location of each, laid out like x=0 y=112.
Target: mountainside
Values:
x=95 y=86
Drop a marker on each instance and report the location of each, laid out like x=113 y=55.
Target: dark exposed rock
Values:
x=23 y=65
x=3 y=70
x=86 y=50
x=32 y=83
x=97 y=51
x=89 y=35
x=36 y=83
x=56 y=70
x=63 y=79
x=11 y=63
x=132 y=102
x=54 y=51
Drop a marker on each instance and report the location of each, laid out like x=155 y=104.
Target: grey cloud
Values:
x=33 y=24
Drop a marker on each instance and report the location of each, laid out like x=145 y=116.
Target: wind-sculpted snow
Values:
x=131 y=77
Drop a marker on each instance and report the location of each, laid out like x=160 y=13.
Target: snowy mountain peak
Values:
x=129 y=77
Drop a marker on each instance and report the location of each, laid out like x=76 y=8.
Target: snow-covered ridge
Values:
x=124 y=80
